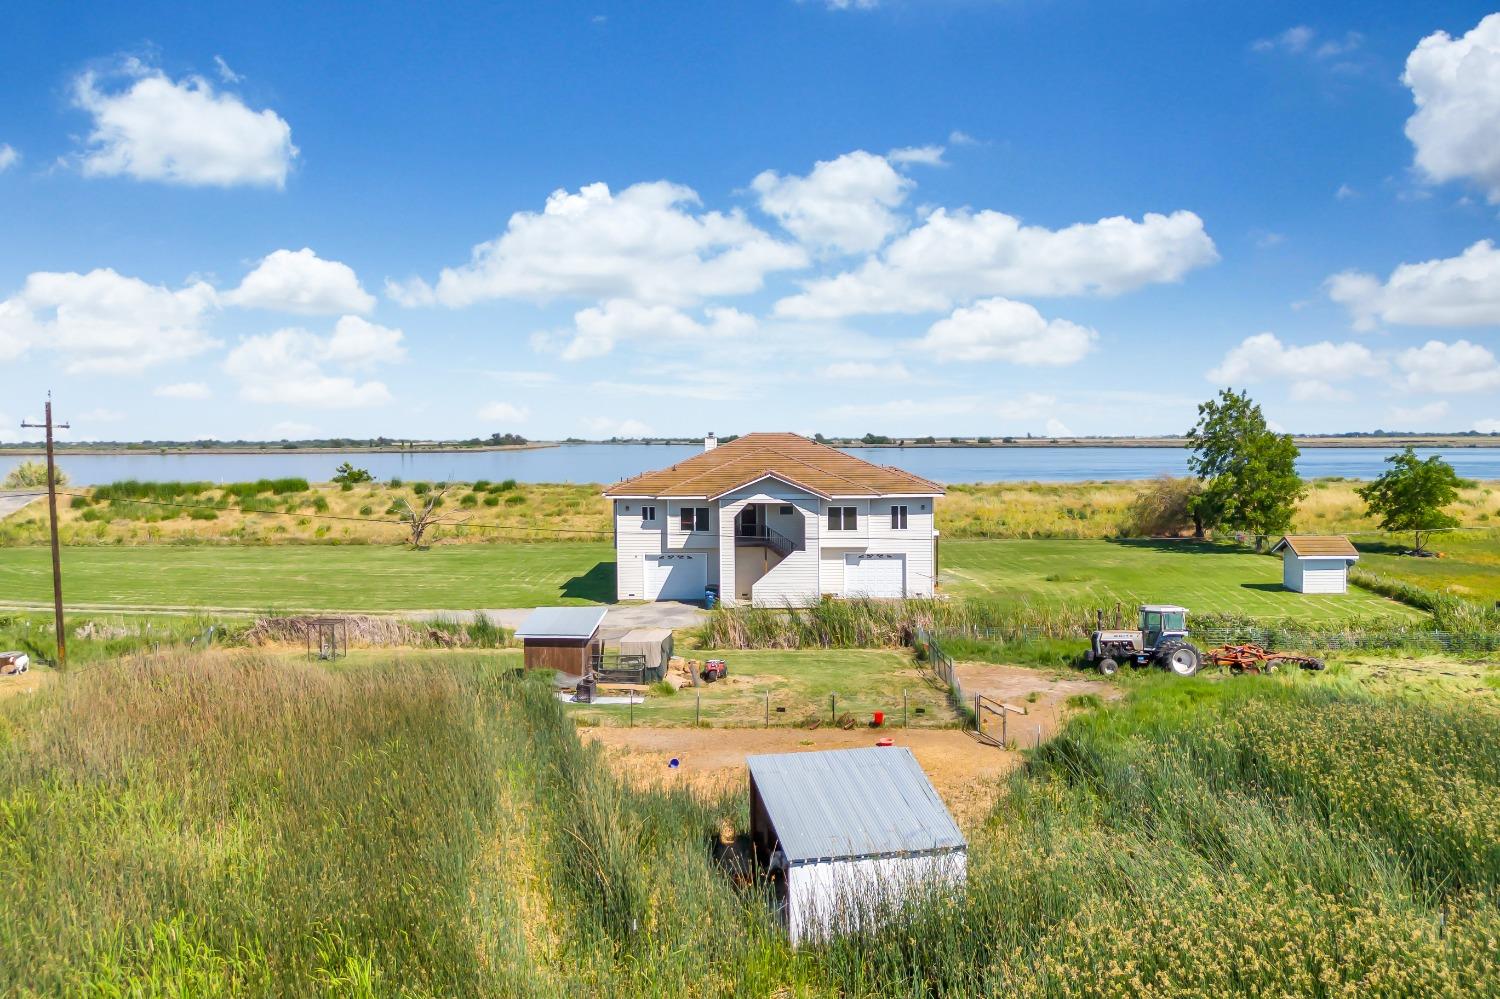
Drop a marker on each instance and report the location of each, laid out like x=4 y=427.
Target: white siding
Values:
x=633 y=540
x=1314 y=575
x=831 y=572
x=915 y=542
x=1291 y=570
x=1324 y=575
x=794 y=580
x=844 y=895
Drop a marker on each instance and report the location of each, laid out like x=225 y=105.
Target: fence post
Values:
x=978 y=719
x=833 y=709
x=698 y=711
x=632 y=709
x=905 y=709
x=768 y=710
x=1004 y=729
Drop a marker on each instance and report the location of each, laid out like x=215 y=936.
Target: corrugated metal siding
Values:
x=850 y=803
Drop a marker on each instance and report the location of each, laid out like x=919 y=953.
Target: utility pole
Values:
x=57 y=610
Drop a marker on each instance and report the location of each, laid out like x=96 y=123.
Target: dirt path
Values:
x=963 y=770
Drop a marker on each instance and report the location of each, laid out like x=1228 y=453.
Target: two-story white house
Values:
x=774 y=519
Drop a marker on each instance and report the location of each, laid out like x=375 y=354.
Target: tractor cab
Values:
x=1162 y=621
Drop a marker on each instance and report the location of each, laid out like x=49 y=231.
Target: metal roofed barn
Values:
x=849 y=835
x=561 y=638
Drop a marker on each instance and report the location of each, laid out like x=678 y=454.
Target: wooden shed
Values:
x=1313 y=563
x=562 y=639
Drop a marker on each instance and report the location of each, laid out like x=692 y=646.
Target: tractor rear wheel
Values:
x=1179 y=658
x=1108 y=666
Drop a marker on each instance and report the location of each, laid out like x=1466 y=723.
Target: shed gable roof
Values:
x=819 y=469
x=847 y=803
x=1318 y=546
x=562 y=622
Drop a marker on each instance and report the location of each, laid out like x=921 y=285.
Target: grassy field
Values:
x=1469 y=566
x=358 y=577
x=801 y=686
x=1204 y=578
x=247 y=827
x=520 y=512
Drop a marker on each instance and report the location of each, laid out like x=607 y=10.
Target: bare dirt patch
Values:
x=1043 y=695
x=14 y=685
x=712 y=761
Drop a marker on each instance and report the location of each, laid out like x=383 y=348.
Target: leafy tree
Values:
x=1411 y=494
x=30 y=474
x=1249 y=472
x=347 y=474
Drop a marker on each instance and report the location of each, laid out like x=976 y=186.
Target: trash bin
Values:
x=585 y=692
x=710 y=596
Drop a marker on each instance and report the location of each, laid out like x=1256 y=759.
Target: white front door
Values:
x=874 y=575
x=677 y=576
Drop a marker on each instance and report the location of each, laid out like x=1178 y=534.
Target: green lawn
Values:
x=1470 y=566
x=353 y=577
x=1202 y=577
x=802 y=683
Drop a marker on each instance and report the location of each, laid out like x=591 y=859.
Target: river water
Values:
x=606 y=463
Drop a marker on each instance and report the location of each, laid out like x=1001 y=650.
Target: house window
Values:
x=786 y=511
x=694 y=518
x=898 y=518
x=648 y=515
x=843 y=518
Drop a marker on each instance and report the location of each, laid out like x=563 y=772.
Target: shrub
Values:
x=81 y=503
x=320 y=504
x=396 y=483
x=347 y=475
x=201 y=513
x=515 y=500
x=492 y=501
x=366 y=510
x=30 y=474
x=469 y=499
x=421 y=488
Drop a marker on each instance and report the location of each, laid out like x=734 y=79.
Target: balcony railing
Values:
x=761 y=536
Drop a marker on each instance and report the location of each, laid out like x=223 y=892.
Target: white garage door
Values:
x=875 y=575
x=676 y=577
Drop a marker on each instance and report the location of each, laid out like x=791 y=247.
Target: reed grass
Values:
x=237 y=825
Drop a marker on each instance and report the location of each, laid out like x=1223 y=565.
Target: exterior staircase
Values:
x=761 y=536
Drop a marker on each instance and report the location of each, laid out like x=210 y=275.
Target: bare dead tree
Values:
x=421 y=518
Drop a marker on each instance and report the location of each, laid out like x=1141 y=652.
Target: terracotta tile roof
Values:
x=1318 y=546
x=817 y=468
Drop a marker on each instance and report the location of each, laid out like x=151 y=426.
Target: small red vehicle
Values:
x=715 y=669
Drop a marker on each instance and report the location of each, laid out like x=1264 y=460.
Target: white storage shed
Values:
x=849 y=834
x=1316 y=563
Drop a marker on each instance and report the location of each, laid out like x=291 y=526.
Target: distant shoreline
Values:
x=1309 y=441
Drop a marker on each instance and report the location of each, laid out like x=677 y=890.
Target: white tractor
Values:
x=1162 y=640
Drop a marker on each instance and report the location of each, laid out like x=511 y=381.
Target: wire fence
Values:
x=720 y=705
x=1280 y=636
x=931 y=653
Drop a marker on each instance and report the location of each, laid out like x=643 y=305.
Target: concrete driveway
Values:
x=658 y=615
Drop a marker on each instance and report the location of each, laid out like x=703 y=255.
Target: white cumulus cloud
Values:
x=998 y=329
x=105 y=322
x=597 y=329
x=920 y=155
x=1443 y=368
x=8 y=156
x=1487 y=426
x=645 y=243
x=1449 y=291
x=301 y=282
x=845 y=204
x=504 y=412
x=604 y=426
x=1419 y=417
x=893 y=371
x=179 y=131
x=1455 y=83
x=182 y=390
x=287 y=367
x=957 y=256
x=1313 y=370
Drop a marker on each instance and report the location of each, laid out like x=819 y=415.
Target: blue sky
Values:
x=946 y=217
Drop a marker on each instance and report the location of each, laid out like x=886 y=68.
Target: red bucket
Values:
x=879 y=719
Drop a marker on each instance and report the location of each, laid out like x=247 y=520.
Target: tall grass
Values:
x=239 y=826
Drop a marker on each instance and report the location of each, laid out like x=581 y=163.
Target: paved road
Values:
x=11 y=502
